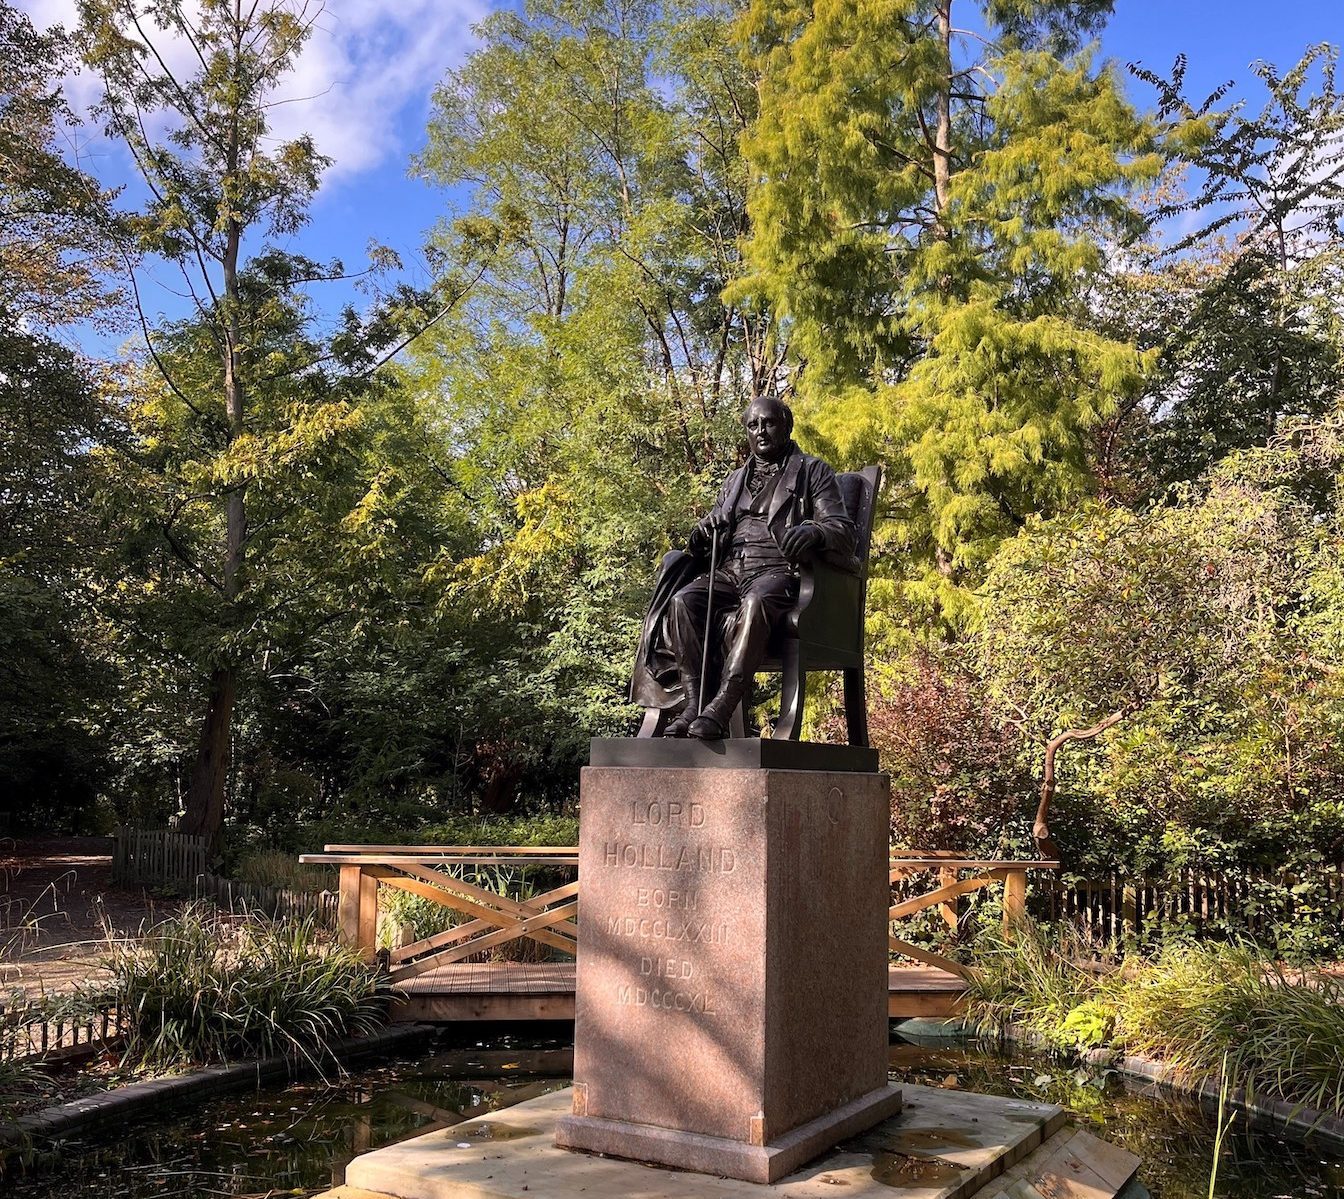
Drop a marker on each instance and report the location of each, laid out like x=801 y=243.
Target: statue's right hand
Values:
x=703 y=533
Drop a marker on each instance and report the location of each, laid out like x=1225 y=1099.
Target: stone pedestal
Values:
x=731 y=1011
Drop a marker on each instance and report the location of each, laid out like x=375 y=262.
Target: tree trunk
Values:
x=204 y=810
x=204 y=815
x=942 y=134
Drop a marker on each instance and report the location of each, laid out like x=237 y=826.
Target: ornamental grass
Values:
x=1192 y=1006
x=204 y=986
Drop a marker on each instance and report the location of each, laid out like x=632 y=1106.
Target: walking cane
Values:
x=709 y=613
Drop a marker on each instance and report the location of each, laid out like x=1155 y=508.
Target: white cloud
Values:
x=362 y=82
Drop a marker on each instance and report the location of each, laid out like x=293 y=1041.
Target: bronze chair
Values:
x=823 y=630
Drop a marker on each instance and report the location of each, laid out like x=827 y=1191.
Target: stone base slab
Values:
x=720 y=1156
x=944 y=1144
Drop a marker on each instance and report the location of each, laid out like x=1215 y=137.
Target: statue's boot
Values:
x=712 y=724
x=681 y=723
x=750 y=631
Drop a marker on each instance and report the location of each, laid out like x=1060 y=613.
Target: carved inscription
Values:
x=666 y=999
x=702 y=932
x=672 y=813
x=668 y=915
x=666 y=897
x=708 y=859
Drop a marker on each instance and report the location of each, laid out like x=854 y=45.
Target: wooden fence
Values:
x=161 y=857
x=143 y=857
x=1118 y=907
x=35 y=1030
x=276 y=902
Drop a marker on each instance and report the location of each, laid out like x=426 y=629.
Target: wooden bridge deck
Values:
x=545 y=991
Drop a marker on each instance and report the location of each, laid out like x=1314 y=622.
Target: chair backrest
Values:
x=859 y=489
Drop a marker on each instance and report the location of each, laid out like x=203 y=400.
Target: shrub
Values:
x=1193 y=1006
x=275 y=868
x=205 y=987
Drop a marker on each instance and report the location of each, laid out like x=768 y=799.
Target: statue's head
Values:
x=769 y=425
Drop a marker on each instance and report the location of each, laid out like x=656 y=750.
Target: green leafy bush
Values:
x=1193 y=1006
x=201 y=986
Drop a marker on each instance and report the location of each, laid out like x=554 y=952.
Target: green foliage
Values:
x=583 y=398
x=57 y=234
x=278 y=869
x=1241 y=304
x=1211 y=624
x=204 y=987
x=1199 y=1008
x=531 y=831
x=929 y=220
x=55 y=239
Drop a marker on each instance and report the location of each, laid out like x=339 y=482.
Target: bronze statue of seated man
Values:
x=781 y=509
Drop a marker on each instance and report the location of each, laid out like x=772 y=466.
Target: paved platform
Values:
x=545 y=991
x=946 y=1144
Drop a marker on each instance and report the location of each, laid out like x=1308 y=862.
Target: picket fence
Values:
x=161 y=857
x=1120 y=908
x=145 y=857
x=31 y=1031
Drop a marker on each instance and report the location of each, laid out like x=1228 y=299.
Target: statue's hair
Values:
x=778 y=403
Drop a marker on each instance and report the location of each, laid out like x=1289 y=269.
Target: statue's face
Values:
x=767 y=428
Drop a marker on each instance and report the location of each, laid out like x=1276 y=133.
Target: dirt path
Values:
x=57 y=905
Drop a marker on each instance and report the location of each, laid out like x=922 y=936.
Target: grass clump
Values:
x=1193 y=1006
x=283 y=871
x=203 y=986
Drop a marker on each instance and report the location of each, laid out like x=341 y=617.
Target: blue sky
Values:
x=372 y=64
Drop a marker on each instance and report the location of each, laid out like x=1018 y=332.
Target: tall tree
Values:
x=216 y=182
x=1243 y=304
x=57 y=236
x=589 y=387
x=56 y=228
x=933 y=205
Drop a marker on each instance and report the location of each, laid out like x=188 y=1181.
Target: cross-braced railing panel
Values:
x=492 y=919
x=987 y=873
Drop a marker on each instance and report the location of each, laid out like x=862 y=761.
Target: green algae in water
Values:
x=297 y=1140
x=1171 y=1136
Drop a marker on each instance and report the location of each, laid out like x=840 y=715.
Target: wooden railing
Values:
x=954 y=881
x=492 y=920
x=435 y=872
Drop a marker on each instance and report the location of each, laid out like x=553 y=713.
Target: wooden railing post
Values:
x=946 y=877
x=1014 y=900
x=358 y=910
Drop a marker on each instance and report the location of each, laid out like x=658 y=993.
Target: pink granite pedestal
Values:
x=731 y=1007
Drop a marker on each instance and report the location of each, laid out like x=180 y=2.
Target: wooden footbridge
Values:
x=510 y=958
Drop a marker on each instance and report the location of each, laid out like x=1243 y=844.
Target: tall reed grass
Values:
x=1192 y=1006
x=205 y=986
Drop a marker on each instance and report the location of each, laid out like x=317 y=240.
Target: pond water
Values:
x=297 y=1140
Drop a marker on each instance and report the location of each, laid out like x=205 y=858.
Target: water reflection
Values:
x=1173 y=1138
x=298 y=1140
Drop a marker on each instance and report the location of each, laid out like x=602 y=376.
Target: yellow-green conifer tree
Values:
x=935 y=192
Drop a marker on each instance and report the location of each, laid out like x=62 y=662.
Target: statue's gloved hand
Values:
x=801 y=541
x=703 y=534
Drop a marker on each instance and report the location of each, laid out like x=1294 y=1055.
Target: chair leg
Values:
x=653 y=723
x=856 y=706
x=794 y=687
x=737 y=723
